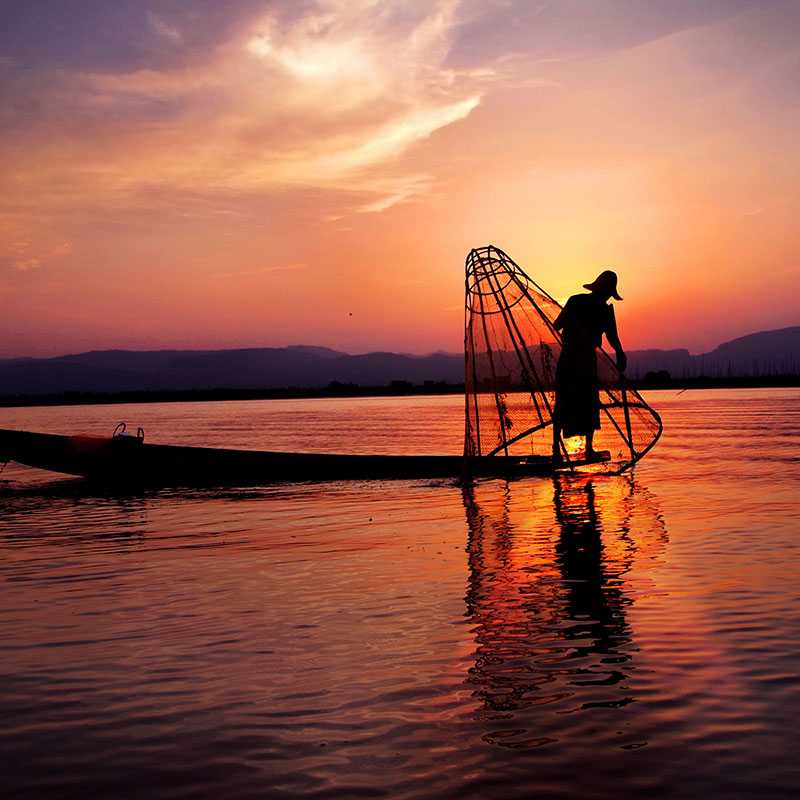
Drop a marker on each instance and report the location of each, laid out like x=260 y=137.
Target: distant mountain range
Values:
x=767 y=353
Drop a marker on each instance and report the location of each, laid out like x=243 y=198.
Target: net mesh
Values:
x=511 y=353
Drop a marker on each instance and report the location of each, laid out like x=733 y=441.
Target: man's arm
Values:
x=613 y=339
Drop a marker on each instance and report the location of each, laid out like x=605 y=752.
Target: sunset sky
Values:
x=205 y=174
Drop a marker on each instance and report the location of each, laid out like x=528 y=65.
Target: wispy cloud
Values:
x=396 y=191
x=26 y=254
x=352 y=161
x=333 y=99
x=164 y=29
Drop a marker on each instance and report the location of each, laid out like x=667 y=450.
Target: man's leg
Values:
x=591 y=453
x=556 y=440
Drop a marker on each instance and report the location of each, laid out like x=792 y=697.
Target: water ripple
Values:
x=579 y=637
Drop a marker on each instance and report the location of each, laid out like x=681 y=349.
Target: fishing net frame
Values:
x=511 y=350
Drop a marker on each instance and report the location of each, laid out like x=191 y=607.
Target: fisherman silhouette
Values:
x=582 y=322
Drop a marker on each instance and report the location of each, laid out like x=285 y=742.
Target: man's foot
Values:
x=597 y=455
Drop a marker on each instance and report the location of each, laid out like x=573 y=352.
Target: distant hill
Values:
x=758 y=354
x=764 y=353
x=254 y=368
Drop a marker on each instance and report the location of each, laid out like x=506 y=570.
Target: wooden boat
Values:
x=127 y=459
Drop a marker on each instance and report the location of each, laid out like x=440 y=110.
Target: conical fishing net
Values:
x=511 y=353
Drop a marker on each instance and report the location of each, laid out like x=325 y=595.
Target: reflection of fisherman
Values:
x=523 y=603
x=580 y=553
x=582 y=322
x=596 y=607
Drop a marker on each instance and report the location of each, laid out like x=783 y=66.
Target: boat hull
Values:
x=128 y=460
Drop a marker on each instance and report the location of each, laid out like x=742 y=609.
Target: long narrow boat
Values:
x=123 y=459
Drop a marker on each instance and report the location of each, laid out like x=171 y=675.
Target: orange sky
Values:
x=254 y=173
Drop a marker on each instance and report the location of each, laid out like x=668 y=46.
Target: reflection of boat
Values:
x=123 y=458
x=548 y=596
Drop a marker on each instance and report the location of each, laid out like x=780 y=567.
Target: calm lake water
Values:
x=570 y=637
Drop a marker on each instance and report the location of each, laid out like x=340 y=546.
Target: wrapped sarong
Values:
x=577 y=408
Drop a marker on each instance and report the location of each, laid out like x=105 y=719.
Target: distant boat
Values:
x=509 y=333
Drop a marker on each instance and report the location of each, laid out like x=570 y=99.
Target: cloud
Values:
x=332 y=98
x=331 y=161
x=22 y=255
x=163 y=29
x=329 y=95
x=395 y=192
x=576 y=29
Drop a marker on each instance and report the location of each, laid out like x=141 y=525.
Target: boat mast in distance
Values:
x=511 y=349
